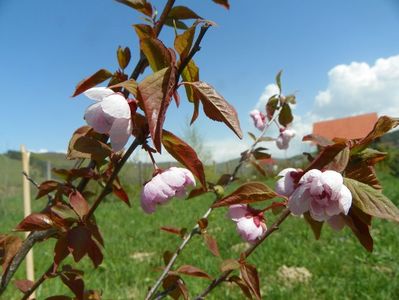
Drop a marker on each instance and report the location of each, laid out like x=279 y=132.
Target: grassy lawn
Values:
x=340 y=268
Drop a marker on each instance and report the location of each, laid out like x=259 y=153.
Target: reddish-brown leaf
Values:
x=193 y=271
x=314 y=225
x=35 y=221
x=79 y=204
x=340 y=161
x=196 y=192
x=242 y=285
x=64 y=212
x=119 y=192
x=326 y=156
x=23 y=285
x=250 y=276
x=178 y=231
x=224 y=3
x=85 y=145
x=212 y=244
x=93 y=80
x=47 y=187
x=94 y=253
x=59 y=297
x=78 y=242
x=225 y=179
x=123 y=56
x=140 y=5
x=60 y=251
x=73 y=280
x=155 y=93
x=317 y=139
x=258 y=167
x=229 y=265
x=216 y=107
x=9 y=246
x=247 y=193
x=158 y=55
x=184 y=154
x=383 y=125
x=171 y=283
x=360 y=229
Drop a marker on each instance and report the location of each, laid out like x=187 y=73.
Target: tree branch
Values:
x=35 y=236
x=247 y=253
x=195 y=229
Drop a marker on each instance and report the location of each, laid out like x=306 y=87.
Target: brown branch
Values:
x=247 y=253
x=195 y=229
x=27 y=244
x=38 y=282
x=141 y=65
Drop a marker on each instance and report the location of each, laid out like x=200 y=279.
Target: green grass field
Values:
x=340 y=268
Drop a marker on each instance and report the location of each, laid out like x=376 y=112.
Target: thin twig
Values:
x=195 y=229
x=247 y=253
x=30 y=179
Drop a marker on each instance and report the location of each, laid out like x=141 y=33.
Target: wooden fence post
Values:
x=30 y=273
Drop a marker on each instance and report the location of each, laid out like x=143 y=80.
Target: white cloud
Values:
x=360 y=88
x=352 y=89
x=270 y=90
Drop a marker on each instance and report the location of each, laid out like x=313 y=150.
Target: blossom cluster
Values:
x=322 y=194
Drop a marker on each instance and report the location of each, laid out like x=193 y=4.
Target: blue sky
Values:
x=48 y=46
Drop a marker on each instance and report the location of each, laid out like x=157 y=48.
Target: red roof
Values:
x=350 y=128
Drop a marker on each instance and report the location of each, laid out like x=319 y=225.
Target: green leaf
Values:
x=157 y=54
x=247 y=193
x=271 y=106
x=371 y=201
x=278 y=80
x=182 y=13
x=91 y=81
x=130 y=85
x=184 y=154
x=123 y=56
x=285 y=116
x=184 y=41
x=216 y=107
x=316 y=226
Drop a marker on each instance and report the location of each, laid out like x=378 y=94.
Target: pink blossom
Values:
x=109 y=115
x=284 y=138
x=286 y=184
x=259 y=119
x=323 y=194
x=250 y=222
x=165 y=185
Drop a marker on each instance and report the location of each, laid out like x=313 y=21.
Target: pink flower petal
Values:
x=237 y=211
x=310 y=176
x=285 y=185
x=336 y=222
x=174 y=177
x=120 y=132
x=248 y=230
x=298 y=203
x=345 y=201
x=96 y=118
x=333 y=179
x=116 y=106
x=98 y=93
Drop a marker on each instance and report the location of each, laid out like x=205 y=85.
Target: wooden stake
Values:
x=30 y=274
